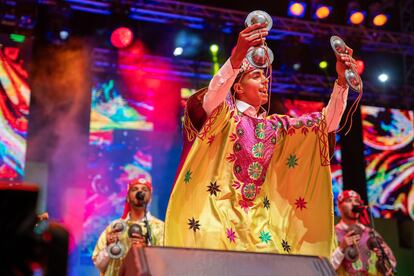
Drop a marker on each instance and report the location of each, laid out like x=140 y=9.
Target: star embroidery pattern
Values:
x=292 y=161
x=265 y=236
x=213 y=188
x=266 y=203
x=231 y=235
x=286 y=246
x=194 y=224
x=211 y=140
x=301 y=203
x=187 y=176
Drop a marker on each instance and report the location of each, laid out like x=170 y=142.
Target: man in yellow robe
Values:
x=135 y=213
x=253 y=182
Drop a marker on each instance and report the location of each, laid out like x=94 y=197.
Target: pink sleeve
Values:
x=219 y=86
x=336 y=106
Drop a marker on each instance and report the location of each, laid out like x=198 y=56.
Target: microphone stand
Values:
x=141 y=197
x=377 y=240
x=149 y=235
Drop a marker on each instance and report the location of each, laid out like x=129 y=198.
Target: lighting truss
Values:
x=310 y=85
x=200 y=16
x=407 y=26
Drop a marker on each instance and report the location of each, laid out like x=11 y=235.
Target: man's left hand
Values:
x=379 y=253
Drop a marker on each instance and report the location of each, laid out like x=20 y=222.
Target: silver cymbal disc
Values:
x=259 y=16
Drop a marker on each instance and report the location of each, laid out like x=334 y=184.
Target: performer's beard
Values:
x=137 y=205
x=349 y=215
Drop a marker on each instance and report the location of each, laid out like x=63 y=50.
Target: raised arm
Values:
x=337 y=103
x=222 y=81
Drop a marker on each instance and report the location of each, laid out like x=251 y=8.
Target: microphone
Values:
x=359 y=208
x=140 y=196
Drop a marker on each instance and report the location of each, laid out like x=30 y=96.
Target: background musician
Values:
x=358 y=252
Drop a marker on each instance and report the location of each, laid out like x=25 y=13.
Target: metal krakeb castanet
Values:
x=260 y=56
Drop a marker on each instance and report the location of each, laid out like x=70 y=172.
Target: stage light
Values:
x=383 y=77
x=356 y=18
x=26 y=22
x=17 y=38
x=63 y=34
x=58 y=28
x=297 y=9
x=214 y=48
x=380 y=20
x=323 y=64
x=178 y=51
x=189 y=41
x=296 y=66
x=323 y=12
x=377 y=14
x=122 y=37
x=356 y=15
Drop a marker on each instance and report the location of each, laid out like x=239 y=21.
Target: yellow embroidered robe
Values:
x=250 y=184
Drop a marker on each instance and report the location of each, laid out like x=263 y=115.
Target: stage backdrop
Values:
x=388 y=136
x=14 y=106
x=134 y=122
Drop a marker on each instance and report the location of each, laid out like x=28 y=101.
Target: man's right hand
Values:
x=253 y=35
x=137 y=240
x=349 y=239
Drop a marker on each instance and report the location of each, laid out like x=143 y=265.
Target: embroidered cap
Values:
x=348 y=194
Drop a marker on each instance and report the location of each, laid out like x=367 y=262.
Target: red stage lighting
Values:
x=122 y=37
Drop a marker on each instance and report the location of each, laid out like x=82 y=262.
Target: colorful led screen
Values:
x=389 y=156
x=119 y=151
x=14 y=108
